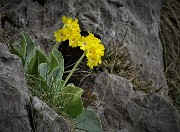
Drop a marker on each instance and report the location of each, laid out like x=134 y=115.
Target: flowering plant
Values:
x=44 y=73
x=91 y=45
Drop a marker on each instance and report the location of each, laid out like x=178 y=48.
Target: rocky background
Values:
x=121 y=108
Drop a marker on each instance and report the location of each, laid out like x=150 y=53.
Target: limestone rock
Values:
x=121 y=108
x=15 y=113
x=47 y=119
x=137 y=20
x=125 y=110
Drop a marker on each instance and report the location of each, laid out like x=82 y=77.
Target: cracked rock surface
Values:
x=124 y=110
x=112 y=20
x=15 y=113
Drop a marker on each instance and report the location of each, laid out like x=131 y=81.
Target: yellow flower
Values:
x=74 y=40
x=93 y=49
x=94 y=54
x=71 y=24
x=93 y=60
x=69 y=31
x=61 y=35
x=87 y=41
x=66 y=19
x=100 y=49
x=83 y=43
x=91 y=45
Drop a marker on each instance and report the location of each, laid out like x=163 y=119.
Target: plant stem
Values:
x=73 y=69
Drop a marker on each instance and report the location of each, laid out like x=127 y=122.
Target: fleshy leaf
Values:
x=71 y=101
x=88 y=121
x=28 y=48
x=37 y=59
x=42 y=69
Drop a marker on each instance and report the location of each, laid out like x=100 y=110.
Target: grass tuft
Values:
x=119 y=61
x=170 y=37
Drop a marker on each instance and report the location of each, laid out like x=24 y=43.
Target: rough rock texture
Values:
x=120 y=108
x=15 y=113
x=110 y=19
x=47 y=119
x=124 y=110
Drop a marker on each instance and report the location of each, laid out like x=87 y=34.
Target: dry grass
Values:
x=170 y=36
x=119 y=61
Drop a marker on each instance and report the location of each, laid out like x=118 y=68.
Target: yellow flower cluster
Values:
x=91 y=45
x=70 y=31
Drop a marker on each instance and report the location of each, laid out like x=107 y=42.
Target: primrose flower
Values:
x=94 y=54
x=93 y=49
x=71 y=24
x=61 y=35
x=83 y=43
x=70 y=31
x=74 y=40
x=93 y=60
x=91 y=45
x=88 y=41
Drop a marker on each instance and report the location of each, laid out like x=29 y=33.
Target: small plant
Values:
x=91 y=46
x=44 y=73
x=170 y=37
x=118 y=61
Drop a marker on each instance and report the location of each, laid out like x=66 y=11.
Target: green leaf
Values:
x=71 y=101
x=52 y=80
x=23 y=44
x=56 y=90
x=59 y=58
x=17 y=50
x=56 y=74
x=88 y=121
x=28 y=48
x=59 y=86
x=53 y=63
x=43 y=69
x=37 y=59
x=56 y=64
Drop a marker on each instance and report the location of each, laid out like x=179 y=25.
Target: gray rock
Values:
x=121 y=108
x=46 y=119
x=110 y=19
x=123 y=130
x=15 y=113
